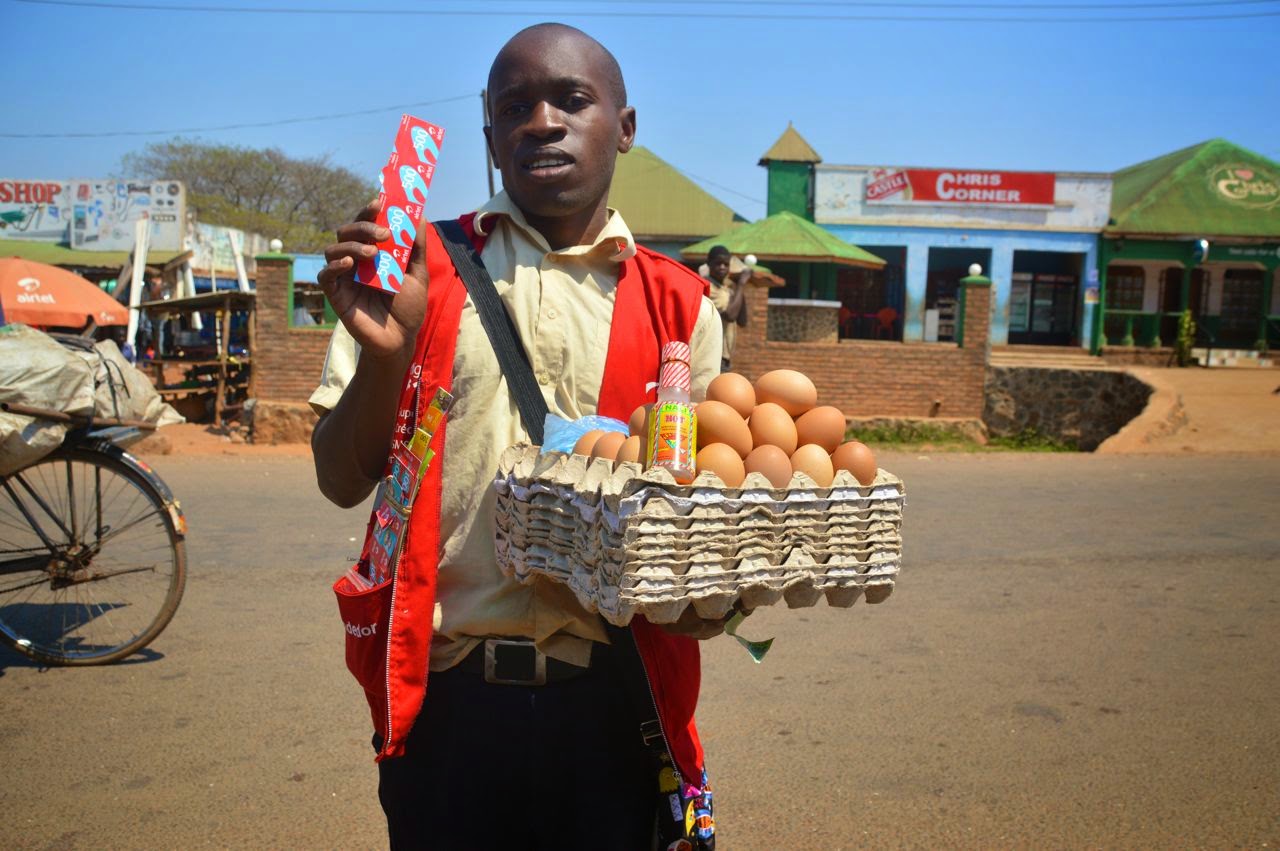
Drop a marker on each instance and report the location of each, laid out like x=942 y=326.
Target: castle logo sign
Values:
x=1246 y=186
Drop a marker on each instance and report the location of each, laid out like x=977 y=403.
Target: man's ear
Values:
x=488 y=140
x=627 y=128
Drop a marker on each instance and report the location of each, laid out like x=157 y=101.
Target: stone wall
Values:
x=1079 y=407
x=794 y=321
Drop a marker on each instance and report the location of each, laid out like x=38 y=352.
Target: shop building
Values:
x=1198 y=231
x=1034 y=233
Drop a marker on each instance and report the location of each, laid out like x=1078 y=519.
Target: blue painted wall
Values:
x=1001 y=244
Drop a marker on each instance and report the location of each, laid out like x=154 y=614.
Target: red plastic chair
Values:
x=886 y=317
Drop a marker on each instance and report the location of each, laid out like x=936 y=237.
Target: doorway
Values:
x=1044 y=298
x=942 y=289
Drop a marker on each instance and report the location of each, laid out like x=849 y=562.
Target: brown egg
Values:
x=608 y=445
x=823 y=426
x=587 y=442
x=788 y=388
x=735 y=391
x=815 y=462
x=630 y=449
x=638 y=419
x=719 y=423
x=857 y=459
x=771 y=425
x=723 y=460
x=772 y=462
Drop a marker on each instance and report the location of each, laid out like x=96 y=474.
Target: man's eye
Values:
x=576 y=102
x=514 y=109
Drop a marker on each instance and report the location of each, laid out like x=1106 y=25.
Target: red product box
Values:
x=404 y=184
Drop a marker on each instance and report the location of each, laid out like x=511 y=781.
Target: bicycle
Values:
x=92 y=553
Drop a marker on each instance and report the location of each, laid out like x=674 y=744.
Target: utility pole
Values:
x=488 y=158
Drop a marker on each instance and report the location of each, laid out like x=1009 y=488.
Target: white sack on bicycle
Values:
x=35 y=370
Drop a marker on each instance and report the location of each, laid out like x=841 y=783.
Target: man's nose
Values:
x=545 y=120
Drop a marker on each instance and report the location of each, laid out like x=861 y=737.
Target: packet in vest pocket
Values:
x=396 y=495
x=403 y=193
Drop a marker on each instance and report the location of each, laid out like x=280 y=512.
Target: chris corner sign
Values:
x=963 y=187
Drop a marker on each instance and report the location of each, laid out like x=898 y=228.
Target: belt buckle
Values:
x=491 y=651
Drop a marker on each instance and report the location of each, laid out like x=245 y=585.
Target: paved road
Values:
x=1082 y=651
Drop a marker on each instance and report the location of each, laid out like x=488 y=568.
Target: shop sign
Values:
x=96 y=215
x=1246 y=252
x=956 y=186
x=1246 y=185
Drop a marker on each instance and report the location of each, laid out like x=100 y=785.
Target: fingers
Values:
x=370 y=210
x=362 y=231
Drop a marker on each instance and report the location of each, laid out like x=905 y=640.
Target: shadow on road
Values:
x=10 y=658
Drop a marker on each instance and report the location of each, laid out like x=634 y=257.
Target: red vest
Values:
x=657 y=300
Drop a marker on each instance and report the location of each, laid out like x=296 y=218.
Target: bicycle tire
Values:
x=157 y=511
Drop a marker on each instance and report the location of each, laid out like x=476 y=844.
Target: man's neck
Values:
x=567 y=231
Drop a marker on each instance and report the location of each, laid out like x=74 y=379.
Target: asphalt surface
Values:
x=1081 y=652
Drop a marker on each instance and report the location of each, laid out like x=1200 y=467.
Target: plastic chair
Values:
x=885 y=317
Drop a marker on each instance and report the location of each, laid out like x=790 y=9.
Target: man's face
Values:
x=719 y=266
x=555 y=128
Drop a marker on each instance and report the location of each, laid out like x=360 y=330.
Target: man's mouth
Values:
x=547 y=165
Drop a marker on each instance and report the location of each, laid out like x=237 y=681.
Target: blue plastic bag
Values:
x=561 y=435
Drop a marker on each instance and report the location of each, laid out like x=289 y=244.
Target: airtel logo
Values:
x=29 y=294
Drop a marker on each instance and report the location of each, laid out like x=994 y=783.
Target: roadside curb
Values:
x=1163 y=415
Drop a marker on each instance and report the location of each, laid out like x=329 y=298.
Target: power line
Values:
x=277 y=123
x=691 y=15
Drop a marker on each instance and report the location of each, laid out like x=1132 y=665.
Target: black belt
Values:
x=517 y=662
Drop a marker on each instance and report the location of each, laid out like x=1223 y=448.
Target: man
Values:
x=486 y=764
x=729 y=295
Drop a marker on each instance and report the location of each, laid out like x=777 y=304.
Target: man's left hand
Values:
x=692 y=625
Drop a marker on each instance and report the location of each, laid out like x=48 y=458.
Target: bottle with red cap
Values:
x=672 y=423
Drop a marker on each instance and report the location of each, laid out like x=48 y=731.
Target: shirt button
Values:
x=551 y=314
x=544 y=378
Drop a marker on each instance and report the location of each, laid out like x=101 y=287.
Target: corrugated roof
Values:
x=656 y=200
x=791 y=148
x=786 y=236
x=60 y=255
x=1211 y=189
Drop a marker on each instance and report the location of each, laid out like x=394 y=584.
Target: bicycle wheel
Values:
x=92 y=566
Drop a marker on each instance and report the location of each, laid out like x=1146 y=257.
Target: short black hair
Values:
x=718 y=251
x=615 y=84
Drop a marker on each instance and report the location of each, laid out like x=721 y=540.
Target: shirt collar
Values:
x=614 y=241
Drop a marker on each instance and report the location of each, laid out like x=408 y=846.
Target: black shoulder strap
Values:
x=498 y=325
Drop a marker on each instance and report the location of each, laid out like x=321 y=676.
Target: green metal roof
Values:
x=792 y=148
x=786 y=236
x=60 y=255
x=1211 y=189
x=656 y=200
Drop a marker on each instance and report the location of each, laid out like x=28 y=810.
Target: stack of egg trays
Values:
x=631 y=541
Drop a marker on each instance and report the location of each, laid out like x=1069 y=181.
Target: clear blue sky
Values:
x=711 y=94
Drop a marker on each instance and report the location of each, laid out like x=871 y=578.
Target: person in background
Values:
x=729 y=295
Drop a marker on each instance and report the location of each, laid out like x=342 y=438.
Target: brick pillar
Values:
x=271 y=356
x=975 y=318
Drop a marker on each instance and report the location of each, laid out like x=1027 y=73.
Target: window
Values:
x=308 y=307
x=1125 y=287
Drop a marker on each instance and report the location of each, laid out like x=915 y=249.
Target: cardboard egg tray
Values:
x=631 y=541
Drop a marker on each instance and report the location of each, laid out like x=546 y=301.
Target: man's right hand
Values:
x=384 y=324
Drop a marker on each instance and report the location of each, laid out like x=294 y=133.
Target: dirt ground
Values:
x=1227 y=411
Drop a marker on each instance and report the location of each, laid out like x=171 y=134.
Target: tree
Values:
x=301 y=201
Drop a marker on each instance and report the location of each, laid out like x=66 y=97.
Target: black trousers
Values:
x=510 y=768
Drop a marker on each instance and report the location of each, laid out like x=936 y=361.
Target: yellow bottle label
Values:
x=673 y=437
